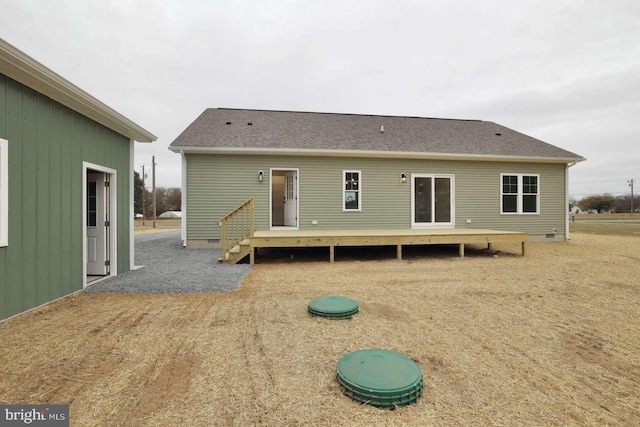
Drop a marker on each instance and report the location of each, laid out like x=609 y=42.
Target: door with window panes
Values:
x=97 y=224
x=291 y=199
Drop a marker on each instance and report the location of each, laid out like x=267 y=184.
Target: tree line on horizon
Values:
x=607 y=203
x=167 y=199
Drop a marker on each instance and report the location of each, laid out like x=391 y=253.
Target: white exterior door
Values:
x=97 y=224
x=291 y=199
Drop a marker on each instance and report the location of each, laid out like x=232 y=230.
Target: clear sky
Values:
x=565 y=72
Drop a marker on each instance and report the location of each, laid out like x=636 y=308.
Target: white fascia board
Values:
x=22 y=68
x=132 y=212
x=375 y=154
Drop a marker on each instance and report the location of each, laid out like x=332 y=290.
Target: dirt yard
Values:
x=549 y=339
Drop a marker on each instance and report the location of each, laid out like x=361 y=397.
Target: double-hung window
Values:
x=4 y=192
x=519 y=194
x=352 y=191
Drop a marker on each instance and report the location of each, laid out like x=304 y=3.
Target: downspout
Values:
x=566 y=201
x=184 y=199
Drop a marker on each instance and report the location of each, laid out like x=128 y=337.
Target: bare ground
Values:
x=549 y=339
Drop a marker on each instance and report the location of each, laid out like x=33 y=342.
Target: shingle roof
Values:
x=287 y=130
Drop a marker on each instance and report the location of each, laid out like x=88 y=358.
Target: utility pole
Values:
x=144 y=190
x=153 y=172
x=631 y=181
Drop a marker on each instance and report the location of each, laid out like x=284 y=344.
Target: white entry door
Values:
x=97 y=223
x=291 y=199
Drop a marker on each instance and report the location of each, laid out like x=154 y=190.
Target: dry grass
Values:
x=607 y=217
x=153 y=230
x=549 y=339
x=163 y=224
x=605 y=228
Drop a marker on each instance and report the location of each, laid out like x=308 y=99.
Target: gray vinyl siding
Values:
x=218 y=183
x=47 y=145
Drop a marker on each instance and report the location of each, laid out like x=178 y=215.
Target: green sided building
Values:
x=66 y=185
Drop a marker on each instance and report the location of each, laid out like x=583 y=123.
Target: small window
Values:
x=351 y=193
x=519 y=194
x=92 y=204
x=4 y=192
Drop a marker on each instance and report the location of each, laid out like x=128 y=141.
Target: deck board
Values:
x=380 y=237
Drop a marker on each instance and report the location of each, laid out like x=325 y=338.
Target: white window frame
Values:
x=452 y=200
x=4 y=192
x=520 y=194
x=344 y=190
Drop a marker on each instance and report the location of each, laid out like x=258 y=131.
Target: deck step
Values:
x=237 y=253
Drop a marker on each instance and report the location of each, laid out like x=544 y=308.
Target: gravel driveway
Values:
x=171 y=269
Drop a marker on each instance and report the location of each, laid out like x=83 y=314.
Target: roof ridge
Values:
x=347 y=114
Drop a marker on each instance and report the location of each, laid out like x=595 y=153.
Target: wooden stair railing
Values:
x=235 y=227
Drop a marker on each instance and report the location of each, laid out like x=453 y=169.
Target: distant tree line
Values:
x=607 y=203
x=167 y=199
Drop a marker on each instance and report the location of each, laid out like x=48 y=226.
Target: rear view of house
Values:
x=66 y=185
x=323 y=171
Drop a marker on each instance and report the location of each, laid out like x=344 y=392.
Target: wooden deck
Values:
x=380 y=237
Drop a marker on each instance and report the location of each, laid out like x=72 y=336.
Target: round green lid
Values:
x=333 y=306
x=380 y=378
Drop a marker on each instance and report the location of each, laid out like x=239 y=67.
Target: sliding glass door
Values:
x=432 y=200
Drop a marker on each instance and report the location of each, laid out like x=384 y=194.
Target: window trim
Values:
x=4 y=193
x=344 y=190
x=520 y=194
x=452 y=200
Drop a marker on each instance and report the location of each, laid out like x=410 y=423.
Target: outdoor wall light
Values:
x=260 y=176
x=403 y=178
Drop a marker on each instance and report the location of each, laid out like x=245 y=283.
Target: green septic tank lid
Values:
x=333 y=306
x=380 y=378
